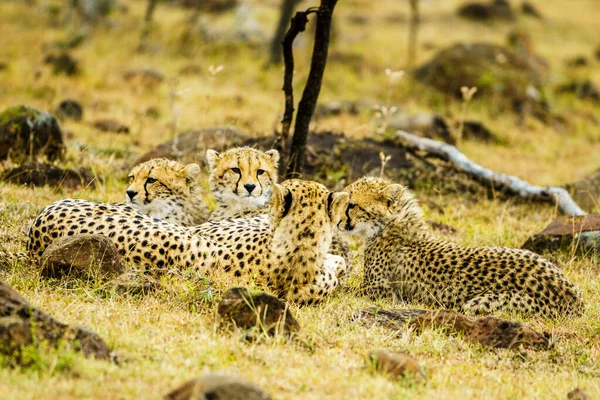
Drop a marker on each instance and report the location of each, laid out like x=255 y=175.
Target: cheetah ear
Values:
x=211 y=158
x=335 y=202
x=191 y=171
x=274 y=154
x=281 y=200
x=392 y=193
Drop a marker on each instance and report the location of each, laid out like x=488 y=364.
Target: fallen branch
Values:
x=511 y=184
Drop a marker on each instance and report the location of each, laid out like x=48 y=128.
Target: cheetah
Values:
x=288 y=254
x=168 y=190
x=404 y=261
x=242 y=179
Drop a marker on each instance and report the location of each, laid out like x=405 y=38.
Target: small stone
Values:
x=62 y=63
x=218 y=387
x=254 y=309
x=133 y=283
x=565 y=233
x=27 y=132
x=494 y=10
x=578 y=394
x=397 y=365
x=143 y=77
x=531 y=10
x=577 y=61
x=85 y=256
x=585 y=90
x=110 y=125
x=69 y=109
x=38 y=174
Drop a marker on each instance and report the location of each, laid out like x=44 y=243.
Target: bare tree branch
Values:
x=312 y=89
x=298 y=24
x=508 y=183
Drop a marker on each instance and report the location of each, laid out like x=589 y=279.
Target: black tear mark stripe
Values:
x=329 y=201
x=287 y=203
x=146 y=183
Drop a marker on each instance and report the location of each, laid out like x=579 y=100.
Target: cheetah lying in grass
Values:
x=167 y=190
x=242 y=180
x=291 y=257
x=403 y=260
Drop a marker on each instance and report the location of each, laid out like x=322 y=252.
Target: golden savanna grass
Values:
x=166 y=337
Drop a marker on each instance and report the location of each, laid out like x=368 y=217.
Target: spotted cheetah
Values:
x=287 y=254
x=403 y=260
x=167 y=190
x=242 y=179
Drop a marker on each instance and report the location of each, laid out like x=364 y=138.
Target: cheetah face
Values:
x=159 y=187
x=365 y=213
x=243 y=177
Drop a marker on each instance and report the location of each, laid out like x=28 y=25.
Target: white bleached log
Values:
x=512 y=184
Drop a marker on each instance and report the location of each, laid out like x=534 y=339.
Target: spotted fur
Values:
x=167 y=190
x=288 y=254
x=242 y=181
x=403 y=260
x=233 y=169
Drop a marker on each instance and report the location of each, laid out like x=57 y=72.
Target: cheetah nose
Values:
x=131 y=194
x=249 y=187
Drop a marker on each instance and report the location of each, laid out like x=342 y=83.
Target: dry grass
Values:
x=167 y=337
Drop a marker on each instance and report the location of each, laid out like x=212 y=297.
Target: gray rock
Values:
x=494 y=70
x=84 y=256
x=218 y=387
x=69 y=109
x=565 y=233
x=24 y=325
x=397 y=365
x=27 y=132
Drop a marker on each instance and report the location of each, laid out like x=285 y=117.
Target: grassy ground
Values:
x=170 y=336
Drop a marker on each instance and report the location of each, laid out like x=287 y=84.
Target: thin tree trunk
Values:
x=287 y=9
x=312 y=89
x=413 y=30
x=147 y=25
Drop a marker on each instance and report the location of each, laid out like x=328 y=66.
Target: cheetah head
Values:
x=243 y=176
x=302 y=203
x=160 y=186
x=371 y=204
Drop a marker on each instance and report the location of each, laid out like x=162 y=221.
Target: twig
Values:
x=511 y=184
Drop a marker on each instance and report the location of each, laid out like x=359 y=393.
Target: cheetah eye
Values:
x=236 y=170
x=260 y=172
x=150 y=180
x=130 y=177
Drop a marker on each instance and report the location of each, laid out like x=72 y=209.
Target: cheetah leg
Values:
x=378 y=290
x=324 y=283
x=491 y=302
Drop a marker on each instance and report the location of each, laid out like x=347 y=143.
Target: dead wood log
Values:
x=507 y=183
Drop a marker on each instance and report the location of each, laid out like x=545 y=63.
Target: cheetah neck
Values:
x=409 y=228
x=237 y=209
x=300 y=244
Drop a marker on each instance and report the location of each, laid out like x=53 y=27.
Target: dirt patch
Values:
x=489 y=332
x=38 y=174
